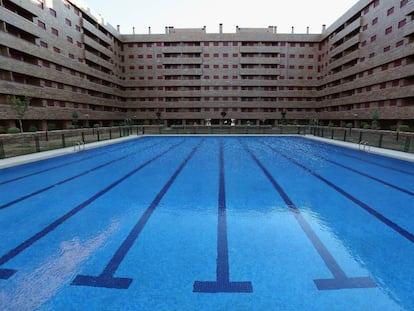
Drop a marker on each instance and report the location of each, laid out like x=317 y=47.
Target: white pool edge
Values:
x=23 y=159
x=375 y=150
x=33 y=157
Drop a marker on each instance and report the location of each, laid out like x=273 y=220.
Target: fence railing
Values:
x=12 y=145
x=19 y=144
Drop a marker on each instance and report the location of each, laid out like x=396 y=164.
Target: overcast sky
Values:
x=210 y=13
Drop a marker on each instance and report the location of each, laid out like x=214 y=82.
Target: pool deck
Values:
x=381 y=151
x=32 y=157
x=9 y=162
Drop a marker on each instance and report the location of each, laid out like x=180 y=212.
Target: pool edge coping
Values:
x=33 y=157
x=369 y=149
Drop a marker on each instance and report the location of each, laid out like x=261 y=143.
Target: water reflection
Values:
x=30 y=291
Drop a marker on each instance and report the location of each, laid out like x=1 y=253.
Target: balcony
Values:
x=348 y=29
x=182 y=49
x=183 y=72
x=259 y=49
x=260 y=60
x=92 y=43
x=182 y=60
x=260 y=71
x=91 y=28
x=96 y=59
x=19 y=22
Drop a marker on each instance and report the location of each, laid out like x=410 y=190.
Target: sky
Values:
x=210 y=13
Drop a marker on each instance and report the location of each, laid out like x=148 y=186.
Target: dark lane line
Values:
x=404 y=233
x=53 y=168
x=354 y=170
x=7 y=273
x=222 y=284
x=106 y=278
x=27 y=196
x=338 y=148
x=340 y=279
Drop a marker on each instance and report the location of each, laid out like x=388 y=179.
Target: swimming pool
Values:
x=208 y=223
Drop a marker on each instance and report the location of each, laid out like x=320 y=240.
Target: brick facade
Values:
x=67 y=60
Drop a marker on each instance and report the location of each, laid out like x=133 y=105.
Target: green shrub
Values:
x=349 y=125
x=13 y=130
x=51 y=126
x=393 y=127
x=404 y=128
x=3 y=130
x=71 y=127
x=365 y=125
x=32 y=128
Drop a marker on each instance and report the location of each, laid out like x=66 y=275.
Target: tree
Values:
x=20 y=106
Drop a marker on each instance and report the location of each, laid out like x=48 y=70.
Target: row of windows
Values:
x=220 y=43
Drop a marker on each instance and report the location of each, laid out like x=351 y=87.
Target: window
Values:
x=373 y=38
x=68 y=22
x=57 y=50
x=375 y=20
x=78 y=28
x=402 y=23
x=69 y=39
x=58 y=68
x=390 y=11
x=235 y=55
x=216 y=55
x=55 y=31
x=387 y=48
x=43 y=44
x=149 y=56
x=399 y=43
x=225 y=54
x=388 y=30
x=45 y=63
x=403 y=3
x=376 y=3
x=206 y=55
x=71 y=56
x=41 y=24
x=79 y=44
x=52 y=12
x=365 y=27
x=397 y=63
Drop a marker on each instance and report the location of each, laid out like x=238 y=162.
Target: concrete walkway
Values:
x=32 y=157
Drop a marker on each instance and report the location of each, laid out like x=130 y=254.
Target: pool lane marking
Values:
x=340 y=279
x=340 y=148
x=106 y=278
x=411 y=193
x=27 y=196
x=53 y=167
x=222 y=284
x=7 y=273
x=404 y=233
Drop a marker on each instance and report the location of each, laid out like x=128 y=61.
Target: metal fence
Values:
x=12 y=145
x=19 y=144
x=400 y=141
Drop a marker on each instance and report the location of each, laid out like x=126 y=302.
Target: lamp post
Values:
x=283 y=113
x=87 y=119
x=223 y=115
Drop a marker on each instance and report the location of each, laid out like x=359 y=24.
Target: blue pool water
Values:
x=208 y=223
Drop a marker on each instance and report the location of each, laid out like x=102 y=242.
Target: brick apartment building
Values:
x=58 y=53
